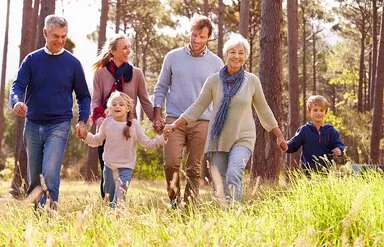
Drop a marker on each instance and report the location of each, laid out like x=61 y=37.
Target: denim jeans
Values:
x=45 y=146
x=227 y=170
x=119 y=180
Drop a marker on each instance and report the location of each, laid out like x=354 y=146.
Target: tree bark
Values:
x=2 y=85
x=103 y=24
x=47 y=7
x=220 y=40
x=267 y=156
x=293 y=161
x=376 y=130
x=244 y=18
x=374 y=54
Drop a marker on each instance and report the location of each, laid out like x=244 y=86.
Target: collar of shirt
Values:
x=188 y=50
x=55 y=54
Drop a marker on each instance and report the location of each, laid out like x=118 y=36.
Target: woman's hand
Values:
x=168 y=130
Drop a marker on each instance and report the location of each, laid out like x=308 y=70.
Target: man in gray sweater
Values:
x=181 y=79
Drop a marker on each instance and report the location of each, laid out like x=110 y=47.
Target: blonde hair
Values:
x=128 y=102
x=317 y=100
x=105 y=55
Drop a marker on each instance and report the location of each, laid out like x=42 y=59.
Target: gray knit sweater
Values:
x=181 y=79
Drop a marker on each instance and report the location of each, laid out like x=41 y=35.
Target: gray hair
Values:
x=55 y=20
x=234 y=40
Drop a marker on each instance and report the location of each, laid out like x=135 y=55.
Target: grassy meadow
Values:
x=324 y=211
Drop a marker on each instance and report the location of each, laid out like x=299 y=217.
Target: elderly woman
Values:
x=232 y=131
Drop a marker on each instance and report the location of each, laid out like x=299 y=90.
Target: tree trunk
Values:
x=47 y=7
x=314 y=59
x=103 y=24
x=118 y=15
x=35 y=18
x=361 y=72
x=293 y=86
x=304 y=86
x=376 y=131
x=267 y=156
x=206 y=7
x=374 y=54
x=92 y=168
x=2 y=85
x=220 y=41
x=244 y=18
x=20 y=172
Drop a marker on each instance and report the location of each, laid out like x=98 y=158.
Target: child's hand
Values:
x=81 y=130
x=336 y=151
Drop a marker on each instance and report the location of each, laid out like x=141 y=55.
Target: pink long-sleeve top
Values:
x=118 y=151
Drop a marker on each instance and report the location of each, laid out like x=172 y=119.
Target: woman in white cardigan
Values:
x=232 y=131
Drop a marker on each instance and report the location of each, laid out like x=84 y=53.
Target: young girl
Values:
x=121 y=133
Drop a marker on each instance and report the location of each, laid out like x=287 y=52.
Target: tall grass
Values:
x=323 y=211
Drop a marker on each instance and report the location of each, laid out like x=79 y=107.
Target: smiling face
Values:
x=122 y=52
x=236 y=57
x=55 y=37
x=119 y=109
x=317 y=113
x=198 y=40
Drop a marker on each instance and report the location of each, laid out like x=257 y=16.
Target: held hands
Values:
x=81 y=130
x=282 y=143
x=20 y=109
x=336 y=151
x=158 y=125
x=168 y=130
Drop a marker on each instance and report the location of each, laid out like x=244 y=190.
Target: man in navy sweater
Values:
x=48 y=77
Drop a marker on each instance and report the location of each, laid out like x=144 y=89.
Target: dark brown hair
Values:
x=201 y=21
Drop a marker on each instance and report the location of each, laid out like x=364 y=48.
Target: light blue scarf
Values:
x=229 y=92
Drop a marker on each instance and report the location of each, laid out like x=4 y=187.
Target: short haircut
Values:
x=234 y=40
x=199 y=22
x=55 y=20
x=317 y=100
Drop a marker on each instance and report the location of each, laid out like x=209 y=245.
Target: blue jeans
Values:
x=227 y=170
x=118 y=180
x=45 y=146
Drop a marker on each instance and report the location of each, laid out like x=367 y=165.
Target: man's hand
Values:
x=158 y=122
x=20 y=109
x=81 y=130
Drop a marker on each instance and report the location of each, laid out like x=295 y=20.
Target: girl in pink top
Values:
x=121 y=133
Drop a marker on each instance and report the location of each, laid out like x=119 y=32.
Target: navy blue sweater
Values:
x=315 y=143
x=48 y=81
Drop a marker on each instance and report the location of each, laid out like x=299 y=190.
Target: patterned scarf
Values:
x=229 y=92
x=122 y=74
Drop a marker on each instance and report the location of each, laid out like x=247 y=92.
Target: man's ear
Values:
x=45 y=32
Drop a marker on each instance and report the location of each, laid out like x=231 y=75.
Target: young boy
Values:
x=320 y=141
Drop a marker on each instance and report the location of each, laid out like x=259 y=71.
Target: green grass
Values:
x=324 y=211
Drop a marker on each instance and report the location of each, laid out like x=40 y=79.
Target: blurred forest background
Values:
x=298 y=48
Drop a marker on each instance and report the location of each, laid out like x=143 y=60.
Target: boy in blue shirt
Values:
x=320 y=141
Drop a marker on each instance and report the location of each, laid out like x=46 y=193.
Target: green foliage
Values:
x=149 y=163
